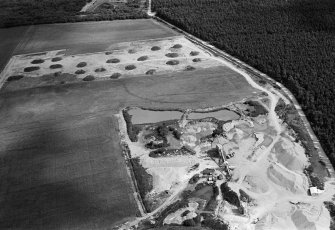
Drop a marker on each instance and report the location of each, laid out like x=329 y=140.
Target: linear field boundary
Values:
x=4 y=71
x=130 y=170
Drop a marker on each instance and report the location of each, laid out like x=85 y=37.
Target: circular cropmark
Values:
x=194 y=53
x=80 y=71
x=196 y=60
x=189 y=68
x=177 y=46
x=89 y=78
x=15 y=78
x=172 y=55
x=56 y=66
x=172 y=62
x=81 y=64
x=56 y=59
x=155 y=48
x=130 y=67
x=113 y=60
x=132 y=51
x=37 y=61
x=99 y=70
x=143 y=58
x=115 y=76
x=151 y=72
x=31 y=69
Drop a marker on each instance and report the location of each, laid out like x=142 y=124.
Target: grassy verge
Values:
x=33 y=82
x=132 y=130
x=144 y=180
x=331 y=208
x=317 y=170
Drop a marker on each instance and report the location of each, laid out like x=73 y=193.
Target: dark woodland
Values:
x=291 y=41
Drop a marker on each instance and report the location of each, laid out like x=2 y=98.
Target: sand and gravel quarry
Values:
x=238 y=164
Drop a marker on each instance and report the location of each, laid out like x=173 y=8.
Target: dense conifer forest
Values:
x=293 y=41
x=28 y=12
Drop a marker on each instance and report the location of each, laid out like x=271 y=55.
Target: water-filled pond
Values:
x=141 y=116
x=223 y=115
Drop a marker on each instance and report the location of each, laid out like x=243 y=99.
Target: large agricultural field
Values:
x=63 y=172
x=10 y=38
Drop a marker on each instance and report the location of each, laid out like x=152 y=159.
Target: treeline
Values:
x=29 y=12
x=292 y=41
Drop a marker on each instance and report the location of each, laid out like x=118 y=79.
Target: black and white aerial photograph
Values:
x=167 y=114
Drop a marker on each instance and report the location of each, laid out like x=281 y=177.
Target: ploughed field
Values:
x=9 y=39
x=62 y=172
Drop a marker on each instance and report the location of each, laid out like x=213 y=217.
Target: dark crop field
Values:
x=63 y=173
x=77 y=38
x=9 y=39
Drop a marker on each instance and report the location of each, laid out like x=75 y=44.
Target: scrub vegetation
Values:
x=113 y=60
x=15 y=78
x=80 y=71
x=115 y=76
x=37 y=61
x=31 y=68
x=172 y=62
x=81 y=64
x=56 y=66
x=89 y=78
x=56 y=59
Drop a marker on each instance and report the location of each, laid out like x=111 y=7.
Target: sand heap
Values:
x=180 y=215
x=255 y=184
x=291 y=155
x=293 y=182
